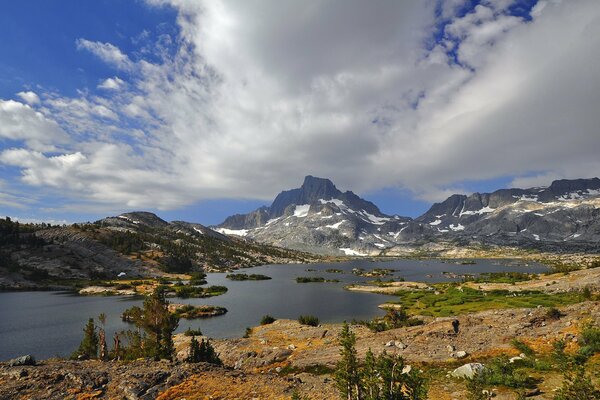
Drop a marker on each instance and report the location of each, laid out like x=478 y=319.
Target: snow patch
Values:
x=484 y=210
x=236 y=232
x=351 y=252
x=269 y=222
x=536 y=237
x=457 y=227
x=199 y=231
x=436 y=222
x=336 y=225
x=301 y=211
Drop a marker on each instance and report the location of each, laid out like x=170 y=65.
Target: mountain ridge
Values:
x=318 y=216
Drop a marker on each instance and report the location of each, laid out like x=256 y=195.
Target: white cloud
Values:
x=107 y=52
x=20 y=122
x=29 y=97
x=112 y=84
x=258 y=95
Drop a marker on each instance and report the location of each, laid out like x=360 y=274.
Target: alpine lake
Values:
x=50 y=324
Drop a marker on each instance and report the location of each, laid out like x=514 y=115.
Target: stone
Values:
x=23 y=360
x=406 y=369
x=391 y=343
x=468 y=370
x=450 y=348
x=401 y=345
x=461 y=354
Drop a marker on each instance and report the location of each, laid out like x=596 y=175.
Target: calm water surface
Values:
x=48 y=324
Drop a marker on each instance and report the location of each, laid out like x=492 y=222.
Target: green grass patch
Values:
x=452 y=300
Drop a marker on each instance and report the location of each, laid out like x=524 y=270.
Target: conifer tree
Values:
x=88 y=348
x=159 y=325
x=208 y=353
x=347 y=375
x=370 y=378
x=194 y=355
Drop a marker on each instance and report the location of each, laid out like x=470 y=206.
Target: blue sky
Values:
x=199 y=110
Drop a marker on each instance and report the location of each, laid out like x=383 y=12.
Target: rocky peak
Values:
x=311 y=191
x=565 y=186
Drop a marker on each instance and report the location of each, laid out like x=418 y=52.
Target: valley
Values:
x=478 y=279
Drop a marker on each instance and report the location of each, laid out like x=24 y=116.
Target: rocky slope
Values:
x=319 y=217
x=137 y=244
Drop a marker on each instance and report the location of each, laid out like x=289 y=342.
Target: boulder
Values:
x=461 y=354
x=23 y=360
x=401 y=345
x=468 y=370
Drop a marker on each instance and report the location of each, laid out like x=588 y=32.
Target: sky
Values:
x=197 y=110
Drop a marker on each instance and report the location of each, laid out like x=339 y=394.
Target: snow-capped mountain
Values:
x=319 y=217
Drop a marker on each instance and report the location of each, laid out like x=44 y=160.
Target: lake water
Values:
x=48 y=324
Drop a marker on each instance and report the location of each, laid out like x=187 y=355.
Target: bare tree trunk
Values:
x=117 y=350
x=102 y=338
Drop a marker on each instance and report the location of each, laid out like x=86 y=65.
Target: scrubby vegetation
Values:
x=500 y=277
x=311 y=279
x=267 y=319
x=153 y=337
x=450 y=300
x=377 y=377
x=310 y=320
x=391 y=320
x=202 y=352
x=247 y=277
x=178 y=252
x=189 y=291
x=194 y=312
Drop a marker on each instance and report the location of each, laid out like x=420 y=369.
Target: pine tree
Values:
x=159 y=325
x=347 y=375
x=370 y=378
x=88 y=348
x=207 y=353
x=194 y=355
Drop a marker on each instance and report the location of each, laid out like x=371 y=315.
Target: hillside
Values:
x=137 y=244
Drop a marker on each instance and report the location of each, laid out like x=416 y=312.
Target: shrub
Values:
x=393 y=319
x=202 y=352
x=522 y=347
x=590 y=341
x=554 y=313
x=378 y=377
x=192 y=332
x=577 y=386
x=267 y=319
x=310 y=320
x=248 y=332
x=501 y=372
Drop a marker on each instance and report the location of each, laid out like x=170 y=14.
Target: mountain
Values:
x=319 y=217
x=136 y=244
x=565 y=215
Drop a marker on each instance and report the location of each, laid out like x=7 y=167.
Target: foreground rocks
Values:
x=138 y=380
x=439 y=340
x=285 y=356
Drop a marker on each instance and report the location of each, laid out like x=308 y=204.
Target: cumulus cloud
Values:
x=111 y=84
x=20 y=122
x=29 y=97
x=406 y=94
x=107 y=52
